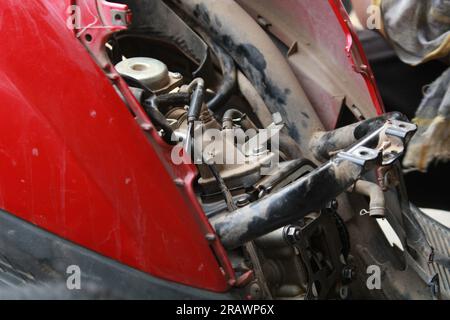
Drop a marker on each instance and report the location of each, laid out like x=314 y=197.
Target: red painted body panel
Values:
x=325 y=55
x=355 y=54
x=74 y=160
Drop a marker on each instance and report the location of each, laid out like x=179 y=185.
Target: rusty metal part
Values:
x=388 y=177
x=260 y=60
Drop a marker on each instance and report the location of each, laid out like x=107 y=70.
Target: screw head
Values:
x=242 y=202
x=210 y=237
x=348 y=273
x=258 y=150
x=177 y=75
x=179 y=182
x=277 y=118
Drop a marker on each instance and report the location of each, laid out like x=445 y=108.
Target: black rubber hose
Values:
x=231 y=114
x=159 y=120
x=132 y=82
x=165 y=101
x=156 y=105
x=195 y=106
x=229 y=80
x=150 y=107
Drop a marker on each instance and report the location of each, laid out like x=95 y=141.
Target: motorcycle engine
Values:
x=210 y=110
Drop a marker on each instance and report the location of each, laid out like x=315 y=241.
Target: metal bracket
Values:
x=392 y=138
x=361 y=155
x=97 y=21
x=400 y=129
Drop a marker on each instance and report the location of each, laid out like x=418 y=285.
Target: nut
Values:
x=293 y=234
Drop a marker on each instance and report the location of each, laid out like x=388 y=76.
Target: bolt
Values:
x=262 y=193
x=255 y=291
x=344 y=292
x=348 y=273
x=146 y=126
x=177 y=75
x=242 y=202
x=292 y=234
x=334 y=204
x=210 y=237
x=263 y=22
x=179 y=182
x=259 y=149
x=277 y=119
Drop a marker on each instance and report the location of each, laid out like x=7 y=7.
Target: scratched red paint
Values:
x=75 y=162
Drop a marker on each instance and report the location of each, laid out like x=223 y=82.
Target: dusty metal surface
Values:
x=287 y=205
x=322 y=55
x=325 y=144
x=260 y=60
x=313 y=191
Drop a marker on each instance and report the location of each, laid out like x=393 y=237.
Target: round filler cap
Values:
x=151 y=72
